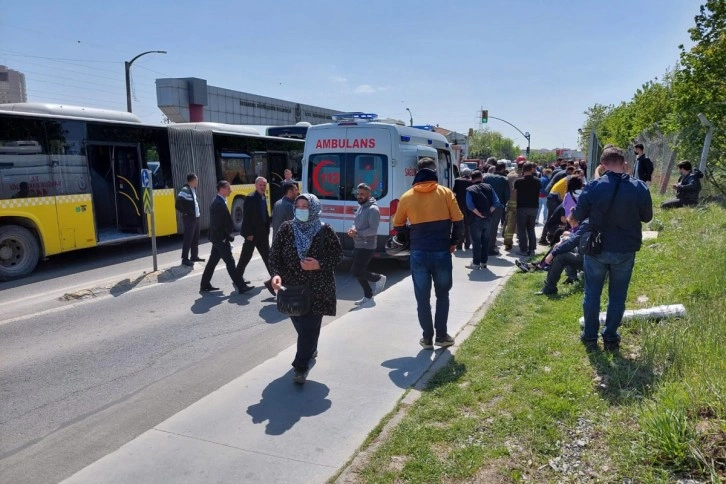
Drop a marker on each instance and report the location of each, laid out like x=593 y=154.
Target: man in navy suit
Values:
x=255 y=229
x=220 y=235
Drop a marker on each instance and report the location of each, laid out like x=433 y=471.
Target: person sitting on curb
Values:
x=687 y=188
x=564 y=256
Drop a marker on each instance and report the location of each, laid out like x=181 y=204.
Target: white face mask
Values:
x=302 y=214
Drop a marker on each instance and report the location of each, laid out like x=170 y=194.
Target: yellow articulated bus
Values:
x=70 y=177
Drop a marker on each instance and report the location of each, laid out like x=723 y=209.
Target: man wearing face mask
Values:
x=364 y=233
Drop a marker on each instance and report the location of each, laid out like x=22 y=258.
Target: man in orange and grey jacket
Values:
x=436 y=224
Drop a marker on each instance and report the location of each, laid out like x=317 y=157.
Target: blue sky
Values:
x=537 y=64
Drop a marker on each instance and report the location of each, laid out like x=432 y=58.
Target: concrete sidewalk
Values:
x=262 y=427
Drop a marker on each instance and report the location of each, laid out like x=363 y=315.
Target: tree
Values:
x=542 y=157
x=486 y=143
x=594 y=117
x=700 y=87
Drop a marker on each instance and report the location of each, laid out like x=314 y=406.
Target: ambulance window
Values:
x=371 y=170
x=444 y=168
x=325 y=176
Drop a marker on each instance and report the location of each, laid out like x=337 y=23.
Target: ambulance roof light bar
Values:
x=354 y=116
x=426 y=127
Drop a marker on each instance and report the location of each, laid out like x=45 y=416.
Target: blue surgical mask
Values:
x=302 y=214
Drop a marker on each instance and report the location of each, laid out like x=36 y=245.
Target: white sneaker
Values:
x=379 y=284
x=364 y=301
x=472 y=266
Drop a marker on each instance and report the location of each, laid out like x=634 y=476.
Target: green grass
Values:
x=522 y=397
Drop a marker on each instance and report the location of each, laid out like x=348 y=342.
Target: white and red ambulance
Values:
x=356 y=148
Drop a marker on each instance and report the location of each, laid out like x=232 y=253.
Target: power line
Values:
x=93 y=68
x=59 y=59
x=62 y=61
x=155 y=72
x=58 y=68
x=120 y=84
x=105 y=91
x=46 y=34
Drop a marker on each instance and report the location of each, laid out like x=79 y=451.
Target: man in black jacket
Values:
x=687 y=188
x=528 y=188
x=188 y=205
x=256 y=230
x=220 y=235
x=643 y=169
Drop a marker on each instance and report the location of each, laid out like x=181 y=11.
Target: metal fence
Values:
x=660 y=148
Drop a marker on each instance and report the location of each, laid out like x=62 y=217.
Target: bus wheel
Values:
x=19 y=252
x=238 y=213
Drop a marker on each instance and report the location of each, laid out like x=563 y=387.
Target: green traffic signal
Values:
x=484 y=115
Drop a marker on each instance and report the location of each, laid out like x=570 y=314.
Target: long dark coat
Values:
x=285 y=262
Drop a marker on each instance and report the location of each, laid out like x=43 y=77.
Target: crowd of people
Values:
x=434 y=222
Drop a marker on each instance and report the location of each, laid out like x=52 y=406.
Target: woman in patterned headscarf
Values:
x=306 y=251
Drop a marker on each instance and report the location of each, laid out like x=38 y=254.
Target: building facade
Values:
x=12 y=86
x=192 y=100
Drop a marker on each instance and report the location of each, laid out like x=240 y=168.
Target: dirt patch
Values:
x=490 y=473
x=398 y=462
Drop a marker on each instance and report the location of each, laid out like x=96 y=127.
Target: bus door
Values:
x=115 y=170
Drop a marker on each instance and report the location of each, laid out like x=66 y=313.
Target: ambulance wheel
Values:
x=19 y=252
x=238 y=213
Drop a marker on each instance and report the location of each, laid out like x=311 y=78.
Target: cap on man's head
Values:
x=364 y=186
x=501 y=165
x=466 y=171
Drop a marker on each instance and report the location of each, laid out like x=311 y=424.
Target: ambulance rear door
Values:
x=339 y=160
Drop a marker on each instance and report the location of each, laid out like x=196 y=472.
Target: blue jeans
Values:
x=542 y=210
x=619 y=267
x=425 y=267
x=479 y=229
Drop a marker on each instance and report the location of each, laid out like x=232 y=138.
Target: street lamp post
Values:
x=526 y=134
x=127 y=66
x=411 y=115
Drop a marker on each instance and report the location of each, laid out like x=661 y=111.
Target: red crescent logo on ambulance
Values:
x=316 y=178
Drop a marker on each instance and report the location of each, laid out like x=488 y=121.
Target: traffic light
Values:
x=484 y=116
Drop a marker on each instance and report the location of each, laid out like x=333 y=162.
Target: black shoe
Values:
x=243 y=289
x=426 y=343
x=545 y=293
x=444 y=341
x=530 y=253
x=543 y=242
x=198 y=259
x=590 y=345
x=208 y=288
x=494 y=252
x=571 y=281
x=611 y=345
x=187 y=262
x=268 y=285
x=523 y=266
x=299 y=376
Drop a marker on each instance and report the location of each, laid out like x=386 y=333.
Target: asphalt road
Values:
x=94 y=351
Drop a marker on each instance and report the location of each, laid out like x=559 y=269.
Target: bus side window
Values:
x=24 y=162
x=69 y=166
